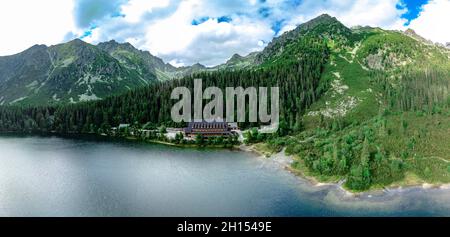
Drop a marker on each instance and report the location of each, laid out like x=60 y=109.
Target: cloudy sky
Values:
x=184 y=32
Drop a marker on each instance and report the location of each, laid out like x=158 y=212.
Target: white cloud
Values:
x=166 y=30
x=433 y=21
x=26 y=23
x=209 y=43
x=173 y=33
x=383 y=13
x=135 y=9
x=94 y=35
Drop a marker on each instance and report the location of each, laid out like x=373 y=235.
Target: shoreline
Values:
x=312 y=181
x=287 y=160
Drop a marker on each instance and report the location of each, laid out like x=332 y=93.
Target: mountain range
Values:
x=76 y=71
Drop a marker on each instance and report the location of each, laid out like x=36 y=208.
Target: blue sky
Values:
x=185 y=32
x=414 y=7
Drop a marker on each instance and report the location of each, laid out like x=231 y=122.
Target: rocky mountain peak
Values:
x=198 y=66
x=323 y=19
x=323 y=26
x=112 y=45
x=411 y=33
x=77 y=42
x=236 y=57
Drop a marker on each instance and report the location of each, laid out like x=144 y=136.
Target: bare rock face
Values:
x=447 y=45
x=375 y=61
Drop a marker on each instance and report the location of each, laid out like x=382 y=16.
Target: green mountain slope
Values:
x=65 y=73
x=385 y=117
x=323 y=27
x=237 y=62
x=145 y=63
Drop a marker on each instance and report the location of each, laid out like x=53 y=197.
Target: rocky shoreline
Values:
x=285 y=161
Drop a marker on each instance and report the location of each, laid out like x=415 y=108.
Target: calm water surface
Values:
x=53 y=176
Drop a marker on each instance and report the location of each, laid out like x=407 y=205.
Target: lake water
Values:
x=53 y=176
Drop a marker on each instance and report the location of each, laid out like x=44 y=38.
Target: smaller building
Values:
x=123 y=126
x=146 y=133
x=233 y=126
x=208 y=129
x=120 y=128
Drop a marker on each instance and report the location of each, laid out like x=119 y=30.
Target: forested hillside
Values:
x=385 y=120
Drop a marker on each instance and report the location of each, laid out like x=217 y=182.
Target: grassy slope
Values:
x=354 y=82
x=415 y=145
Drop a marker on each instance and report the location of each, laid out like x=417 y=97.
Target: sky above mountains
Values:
x=184 y=32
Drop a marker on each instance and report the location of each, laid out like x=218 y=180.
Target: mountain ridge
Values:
x=77 y=71
x=71 y=72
